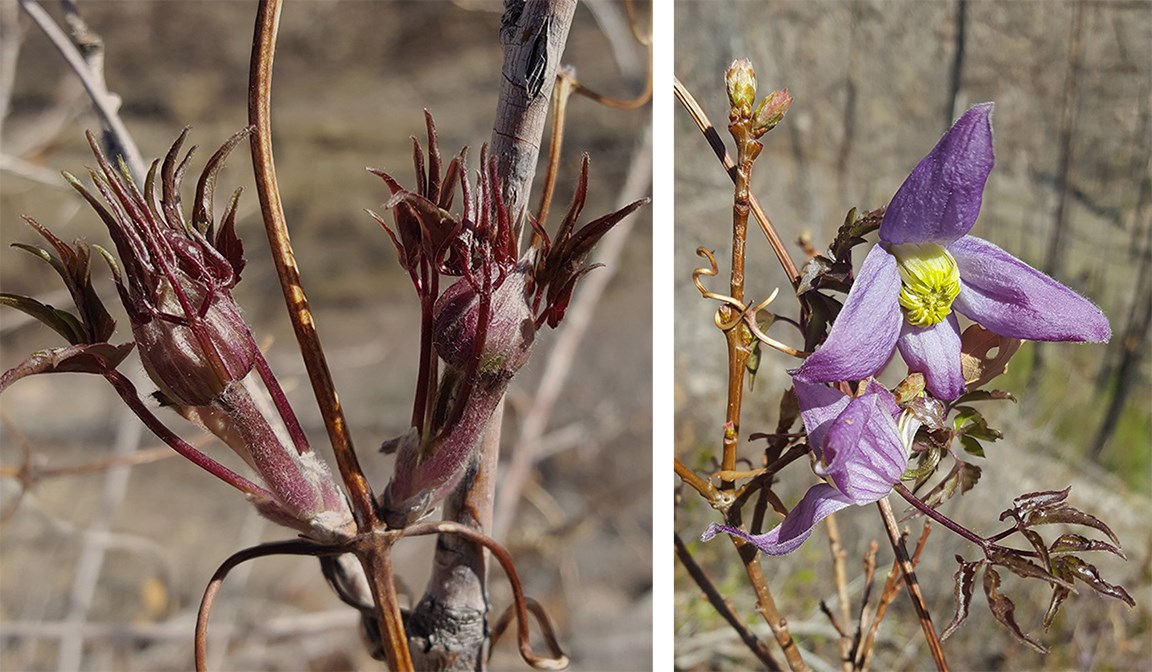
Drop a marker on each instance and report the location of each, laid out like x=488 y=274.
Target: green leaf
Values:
x=985 y=395
x=62 y=322
x=971 y=446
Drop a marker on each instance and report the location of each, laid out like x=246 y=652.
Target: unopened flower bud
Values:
x=771 y=111
x=741 y=82
x=192 y=363
x=509 y=332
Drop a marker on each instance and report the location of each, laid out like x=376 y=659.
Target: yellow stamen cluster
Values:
x=929 y=282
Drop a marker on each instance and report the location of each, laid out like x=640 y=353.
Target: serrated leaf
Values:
x=1035 y=501
x=1004 y=611
x=1025 y=568
x=1074 y=543
x=971 y=446
x=1068 y=515
x=83 y=358
x=985 y=395
x=1090 y=575
x=965 y=578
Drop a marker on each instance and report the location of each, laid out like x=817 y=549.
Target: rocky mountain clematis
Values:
x=859 y=443
x=926 y=265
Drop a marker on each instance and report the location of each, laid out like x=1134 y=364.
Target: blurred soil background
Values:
x=873 y=85
x=103 y=570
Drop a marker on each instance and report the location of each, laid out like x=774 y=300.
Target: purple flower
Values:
x=926 y=264
x=860 y=454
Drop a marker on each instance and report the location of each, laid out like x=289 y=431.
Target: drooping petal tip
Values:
x=935 y=352
x=1010 y=298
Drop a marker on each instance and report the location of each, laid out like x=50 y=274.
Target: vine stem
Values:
x=739 y=340
x=723 y=606
x=897 y=541
x=375 y=558
x=259 y=116
x=717 y=145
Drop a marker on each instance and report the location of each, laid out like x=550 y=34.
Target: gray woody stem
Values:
x=533 y=33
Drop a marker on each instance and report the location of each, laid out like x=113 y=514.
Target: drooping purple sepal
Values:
x=861 y=454
x=863 y=337
x=819 y=502
x=935 y=352
x=1010 y=298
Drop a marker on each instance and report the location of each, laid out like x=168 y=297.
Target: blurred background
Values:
x=875 y=85
x=103 y=568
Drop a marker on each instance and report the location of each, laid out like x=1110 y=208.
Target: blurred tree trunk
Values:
x=957 y=62
x=1134 y=343
x=1069 y=103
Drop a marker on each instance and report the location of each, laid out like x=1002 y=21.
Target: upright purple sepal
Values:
x=940 y=200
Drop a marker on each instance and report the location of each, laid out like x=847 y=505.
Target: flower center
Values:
x=929 y=282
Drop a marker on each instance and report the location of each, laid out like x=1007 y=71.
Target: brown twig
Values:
x=292 y=547
x=533 y=33
x=913 y=585
x=105 y=102
x=840 y=578
x=724 y=607
x=714 y=141
x=259 y=116
x=863 y=654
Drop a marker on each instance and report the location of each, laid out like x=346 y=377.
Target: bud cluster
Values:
x=483 y=325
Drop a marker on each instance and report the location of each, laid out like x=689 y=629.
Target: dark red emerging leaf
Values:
x=1004 y=610
x=96 y=358
x=965 y=584
x=92 y=323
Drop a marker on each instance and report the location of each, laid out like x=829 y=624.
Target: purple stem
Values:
x=942 y=519
x=299 y=439
x=128 y=393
